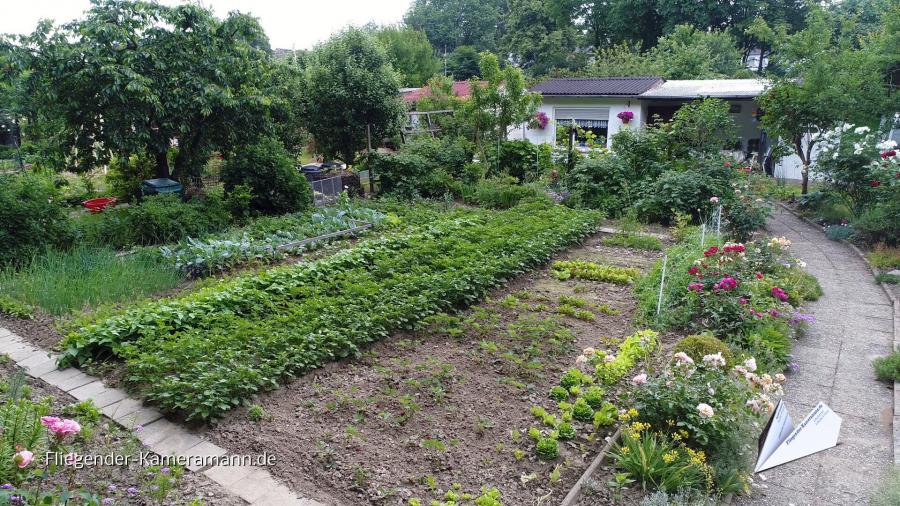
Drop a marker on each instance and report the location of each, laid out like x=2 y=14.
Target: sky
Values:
x=289 y=24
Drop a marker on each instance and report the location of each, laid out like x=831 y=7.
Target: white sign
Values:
x=781 y=442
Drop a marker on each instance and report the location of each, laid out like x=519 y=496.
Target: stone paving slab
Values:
x=253 y=484
x=854 y=324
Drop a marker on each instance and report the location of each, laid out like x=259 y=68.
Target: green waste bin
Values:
x=161 y=185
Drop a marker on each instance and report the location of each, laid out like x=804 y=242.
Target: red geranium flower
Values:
x=888 y=154
x=711 y=251
x=874 y=183
x=693 y=270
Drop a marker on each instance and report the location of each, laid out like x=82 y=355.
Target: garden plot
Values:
x=117 y=484
x=444 y=411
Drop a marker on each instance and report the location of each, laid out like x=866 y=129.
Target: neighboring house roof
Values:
x=717 y=88
x=597 y=86
x=462 y=89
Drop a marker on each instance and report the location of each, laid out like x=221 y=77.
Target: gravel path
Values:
x=854 y=324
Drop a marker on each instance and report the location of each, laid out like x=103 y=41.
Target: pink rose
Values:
x=47 y=421
x=640 y=379
x=61 y=428
x=23 y=458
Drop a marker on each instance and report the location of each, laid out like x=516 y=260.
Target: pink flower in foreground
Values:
x=61 y=428
x=684 y=358
x=23 y=458
x=47 y=421
x=695 y=287
x=640 y=379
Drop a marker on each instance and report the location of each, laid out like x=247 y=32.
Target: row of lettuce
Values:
x=687 y=424
x=206 y=352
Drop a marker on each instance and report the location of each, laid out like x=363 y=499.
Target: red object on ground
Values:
x=99 y=204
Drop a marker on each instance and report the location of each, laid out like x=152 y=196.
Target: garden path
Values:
x=854 y=324
x=253 y=484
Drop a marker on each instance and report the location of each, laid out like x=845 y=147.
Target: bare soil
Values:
x=114 y=481
x=450 y=404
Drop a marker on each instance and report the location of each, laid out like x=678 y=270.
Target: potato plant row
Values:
x=207 y=352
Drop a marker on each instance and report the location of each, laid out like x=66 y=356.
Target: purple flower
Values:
x=16 y=500
x=165 y=470
x=112 y=488
x=107 y=500
x=799 y=317
x=6 y=486
x=131 y=490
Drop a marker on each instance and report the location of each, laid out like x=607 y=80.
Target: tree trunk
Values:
x=162 y=164
x=804 y=174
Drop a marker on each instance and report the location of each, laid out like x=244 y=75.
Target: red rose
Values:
x=874 y=183
x=693 y=270
x=888 y=154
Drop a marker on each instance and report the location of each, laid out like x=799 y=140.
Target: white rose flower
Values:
x=705 y=410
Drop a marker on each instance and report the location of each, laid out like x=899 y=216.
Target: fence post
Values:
x=719 y=224
x=662 y=283
x=703 y=235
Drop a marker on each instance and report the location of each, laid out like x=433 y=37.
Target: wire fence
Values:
x=326 y=191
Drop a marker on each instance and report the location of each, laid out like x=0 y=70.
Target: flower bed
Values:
x=208 y=351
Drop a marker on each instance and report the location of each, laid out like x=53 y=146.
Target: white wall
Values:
x=550 y=104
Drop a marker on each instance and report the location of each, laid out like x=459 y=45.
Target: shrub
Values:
x=770 y=343
x=124 y=175
x=880 y=222
x=520 y=159
x=500 y=193
x=686 y=191
x=30 y=218
x=158 y=219
x=838 y=232
x=270 y=172
x=698 y=345
x=425 y=167
x=888 y=368
x=744 y=216
x=603 y=182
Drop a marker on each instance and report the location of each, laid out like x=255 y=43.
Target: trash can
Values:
x=161 y=185
x=313 y=172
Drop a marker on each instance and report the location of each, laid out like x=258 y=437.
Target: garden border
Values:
x=253 y=484
x=575 y=491
x=895 y=302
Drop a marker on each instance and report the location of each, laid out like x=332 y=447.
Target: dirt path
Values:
x=854 y=324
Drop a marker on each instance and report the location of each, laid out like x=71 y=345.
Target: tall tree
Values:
x=351 y=92
x=462 y=63
x=410 y=52
x=453 y=23
x=817 y=66
x=540 y=36
x=134 y=77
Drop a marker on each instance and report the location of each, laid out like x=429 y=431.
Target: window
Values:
x=592 y=123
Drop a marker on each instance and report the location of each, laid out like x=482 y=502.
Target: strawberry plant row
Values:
x=206 y=352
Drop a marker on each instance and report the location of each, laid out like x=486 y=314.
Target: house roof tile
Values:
x=597 y=86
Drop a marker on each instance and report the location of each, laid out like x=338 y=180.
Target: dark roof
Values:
x=597 y=86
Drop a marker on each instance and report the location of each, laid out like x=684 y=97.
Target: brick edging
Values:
x=253 y=484
x=895 y=303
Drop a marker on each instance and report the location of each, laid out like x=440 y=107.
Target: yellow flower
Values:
x=670 y=457
x=683 y=433
x=625 y=450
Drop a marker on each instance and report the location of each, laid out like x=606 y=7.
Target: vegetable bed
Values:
x=207 y=352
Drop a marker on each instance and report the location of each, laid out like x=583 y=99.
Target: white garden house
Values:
x=595 y=104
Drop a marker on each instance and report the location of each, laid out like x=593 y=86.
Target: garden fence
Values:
x=326 y=191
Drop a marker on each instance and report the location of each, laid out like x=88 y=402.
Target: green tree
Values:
x=453 y=23
x=133 y=77
x=503 y=103
x=462 y=63
x=687 y=53
x=410 y=53
x=816 y=67
x=540 y=37
x=350 y=86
